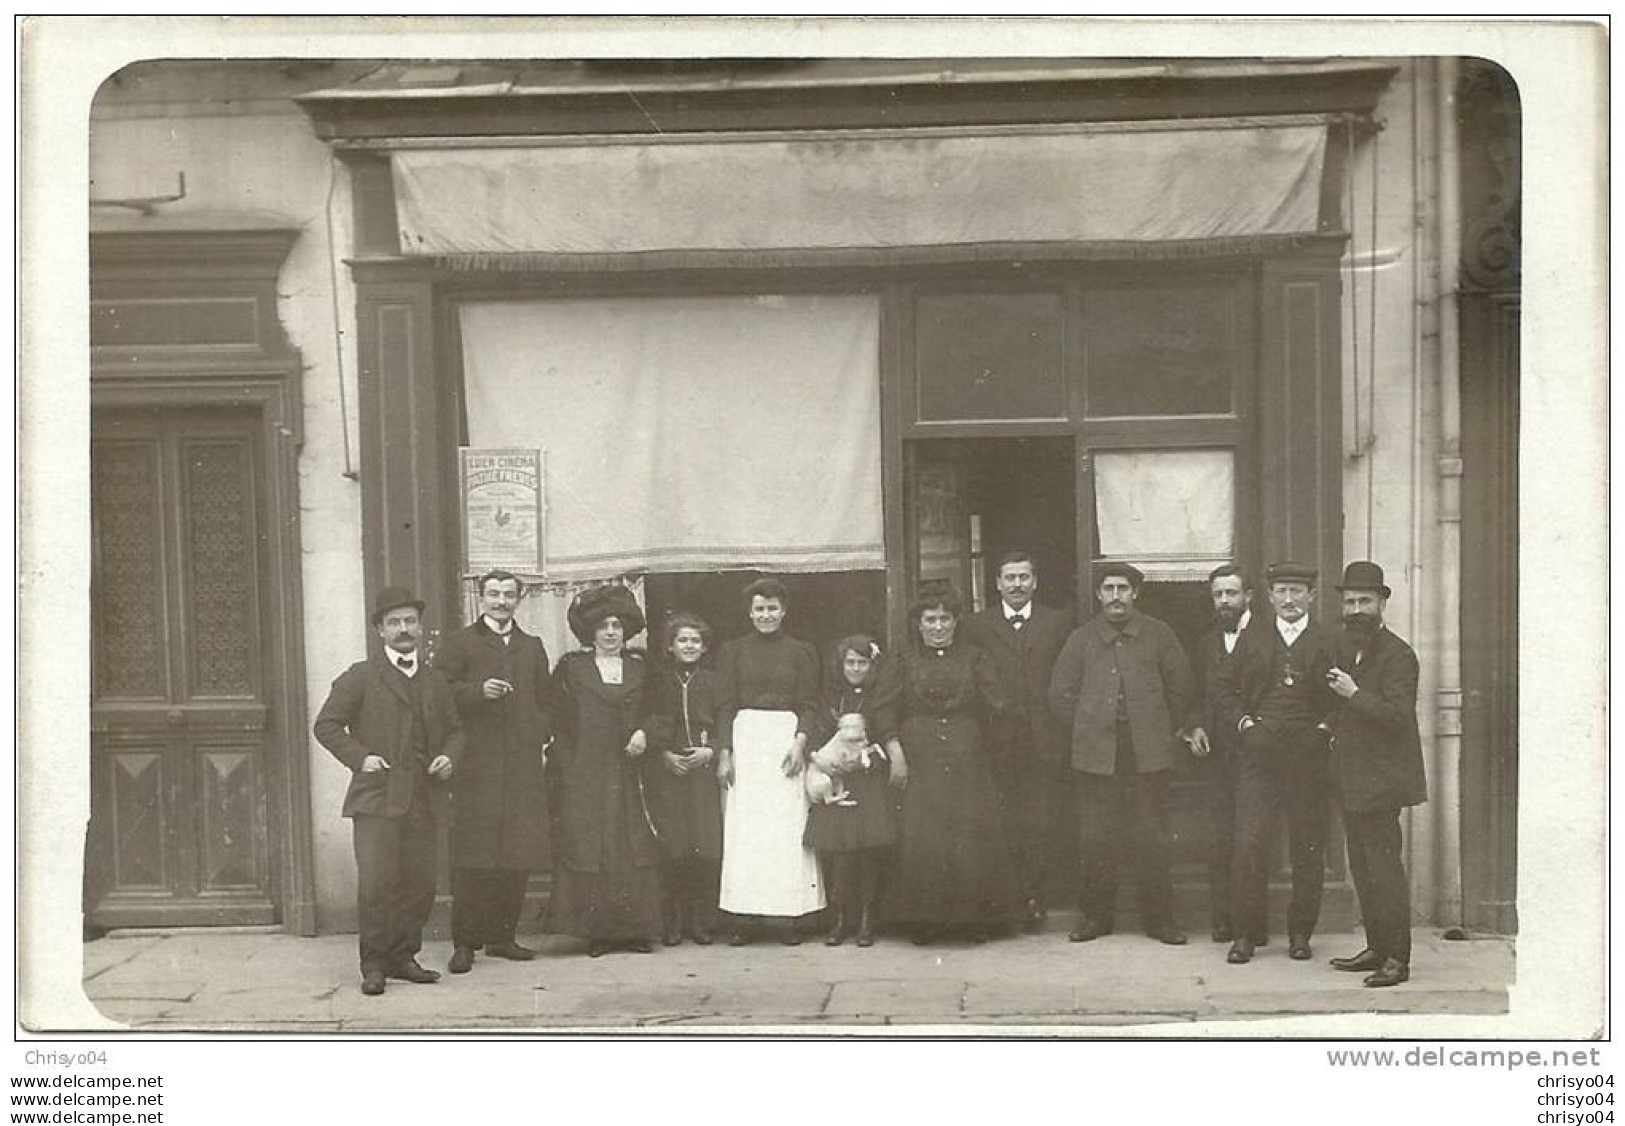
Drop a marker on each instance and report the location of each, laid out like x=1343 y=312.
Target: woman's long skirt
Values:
x=766 y=869
x=954 y=866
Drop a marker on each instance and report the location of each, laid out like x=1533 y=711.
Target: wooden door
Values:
x=183 y=809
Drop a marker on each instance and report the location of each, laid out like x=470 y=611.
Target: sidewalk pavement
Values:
x=264 y=981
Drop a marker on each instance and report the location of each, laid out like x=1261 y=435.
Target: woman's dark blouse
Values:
x=950 y=681
x=772 y=672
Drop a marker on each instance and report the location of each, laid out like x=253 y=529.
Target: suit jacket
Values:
x=368 y=712
x=1376 y=748
x=1210 y=665
x=1158 y=688
x=499 y=802
x=1247 y=677
x=1025 y=661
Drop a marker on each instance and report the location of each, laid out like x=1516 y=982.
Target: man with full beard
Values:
x=1376 y=759
x=1215 y=742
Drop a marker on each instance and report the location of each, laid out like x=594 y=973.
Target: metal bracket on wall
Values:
x=147 y=205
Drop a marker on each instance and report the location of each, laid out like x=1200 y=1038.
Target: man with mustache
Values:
x=1377 y=767
x=1276 y=697
x=1216 y=743
x=1123 y=682
x=393 y=722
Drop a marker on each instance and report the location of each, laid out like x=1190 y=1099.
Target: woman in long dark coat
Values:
x=853 y=838
x=606 y=885
x=954 y=869
x=680 y=781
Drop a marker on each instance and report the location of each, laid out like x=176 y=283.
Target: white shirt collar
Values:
x=1291 y=631
x=410 y=670
x=1231 y=638
x=1025 y=613
x=492 y=626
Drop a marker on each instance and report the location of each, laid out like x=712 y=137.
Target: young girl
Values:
x=681 y=784
x=853 y=837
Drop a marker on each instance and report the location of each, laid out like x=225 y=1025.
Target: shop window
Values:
x=1162 y=350
x=989 y=356
x=1170 y=512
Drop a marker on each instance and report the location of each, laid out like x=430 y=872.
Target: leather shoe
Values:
x=1298 y=948
x=640 y=946
x=462 y=960
x=1393 y=972
x=1223 y=934
x=1167 y=934
x=1241 y=952
x=372 y=983
x=597 y=948
x=1363 y=962
x=1089 y=929
x=409 y=970
x=510 y=950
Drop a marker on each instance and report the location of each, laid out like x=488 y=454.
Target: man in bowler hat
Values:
x=1124 y=684
x=1377 y=768
x=1275 y=696
x=394 y=724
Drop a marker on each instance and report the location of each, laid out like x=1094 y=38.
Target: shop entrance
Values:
x=972 y=500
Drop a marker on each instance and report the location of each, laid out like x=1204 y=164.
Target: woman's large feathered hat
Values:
x=596 y=603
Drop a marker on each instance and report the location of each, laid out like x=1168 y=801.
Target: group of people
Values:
x=687 y=795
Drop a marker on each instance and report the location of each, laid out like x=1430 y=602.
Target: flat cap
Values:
x=1289 y=572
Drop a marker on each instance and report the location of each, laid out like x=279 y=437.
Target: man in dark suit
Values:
x=1275 y=697
x=1215 y=742
x=1125 y=684
x=499 y=678
x=1023 y=638
x=394 y=724
x=1377 y=767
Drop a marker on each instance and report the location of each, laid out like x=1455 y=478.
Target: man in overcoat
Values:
x=1023 y=638
x=499 y=678
x=1377 y=768
x=1275 y=697
x=1125 y=685
x=392 y=721
x=1215 y=742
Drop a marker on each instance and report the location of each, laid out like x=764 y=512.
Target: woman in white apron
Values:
x=767 y=702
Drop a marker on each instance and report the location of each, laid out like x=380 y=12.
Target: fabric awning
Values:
x=1121 y=183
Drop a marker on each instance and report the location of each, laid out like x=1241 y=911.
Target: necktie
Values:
x=406 y=664
x=1017 y=621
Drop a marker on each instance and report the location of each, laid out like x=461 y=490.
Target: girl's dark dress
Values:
x=687 y=810
x=605 y=881
x=954 y=866
x=870 y=823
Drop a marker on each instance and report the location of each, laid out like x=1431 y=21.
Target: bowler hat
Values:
x=1129 y=571
x=393 y=598
x=1364 y=575
x=596 y=603
x=1289 y=572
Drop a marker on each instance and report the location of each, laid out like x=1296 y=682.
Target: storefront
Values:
x=852 y=322
x=861 y=339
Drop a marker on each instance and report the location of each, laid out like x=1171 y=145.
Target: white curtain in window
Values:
x=689 y=434
x=1170 y=512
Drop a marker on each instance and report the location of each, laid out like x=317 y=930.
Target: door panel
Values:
x=183 y=807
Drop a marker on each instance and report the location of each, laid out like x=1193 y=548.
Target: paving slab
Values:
x=895 y=998
x=109 y=952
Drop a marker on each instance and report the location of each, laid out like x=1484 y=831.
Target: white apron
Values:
x=765 y=868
